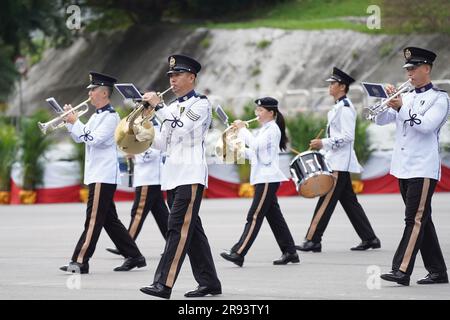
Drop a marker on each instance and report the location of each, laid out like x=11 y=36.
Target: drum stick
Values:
x=317 y=137
x=294 y=151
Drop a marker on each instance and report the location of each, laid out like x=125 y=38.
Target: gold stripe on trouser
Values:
x=255 y=215
x=183 y=237
x=321 y=211
x=90 y=230
x=417 y=224
x=139 y=211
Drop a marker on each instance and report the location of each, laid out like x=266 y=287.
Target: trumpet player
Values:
x=342 y=159
x=101 y=176
x=419 y=115
x=148 y=195
x=263 y=152
x=185 y=123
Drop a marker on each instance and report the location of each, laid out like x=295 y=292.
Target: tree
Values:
x=18 y=20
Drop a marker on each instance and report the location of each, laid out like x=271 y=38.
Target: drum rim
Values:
x=305 y=152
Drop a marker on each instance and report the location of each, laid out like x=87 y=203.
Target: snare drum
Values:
x=312 y=174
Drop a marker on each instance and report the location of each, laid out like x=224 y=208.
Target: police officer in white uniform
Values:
x=263 y=153
x=340 y=154
x=184 y=176
x=419 y=115
x=101 y=176
x=148 y=195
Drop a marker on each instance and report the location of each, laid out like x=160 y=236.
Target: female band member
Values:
x=266 y=176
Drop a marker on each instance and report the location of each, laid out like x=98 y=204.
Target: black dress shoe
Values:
x=131 y=263
x=75 y=267
x=286 y=258
x=309 y=245
x=367 y=244
x=157 y=290
x=433 y=278
x=234 y=257
x=202 y=291
x=115 y=251
x=396 y=276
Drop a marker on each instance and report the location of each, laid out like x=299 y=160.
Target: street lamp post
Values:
x=22 y=68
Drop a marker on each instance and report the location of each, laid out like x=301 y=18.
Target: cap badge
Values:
x=407 y=54
x=172 y=62
x=90 y=77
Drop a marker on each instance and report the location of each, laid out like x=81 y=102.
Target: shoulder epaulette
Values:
x=438 y=89
x=201 y=96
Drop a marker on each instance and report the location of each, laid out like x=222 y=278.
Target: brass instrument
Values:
x=371 y=112
x=135 y=133
x=230 y=147
x=60 y=120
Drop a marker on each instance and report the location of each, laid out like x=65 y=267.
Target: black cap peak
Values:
x=340 y=76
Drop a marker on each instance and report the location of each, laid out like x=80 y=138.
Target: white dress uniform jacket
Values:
x=416 y=149
x=185 y=124
x=338 y=145
x=147 y=168
x=101 y=164
x=263 y=153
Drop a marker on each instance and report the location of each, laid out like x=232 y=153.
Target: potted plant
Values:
x=79 y=154
x=8 y=146
x=303 y=128
x=32 y=144
x=362 y=150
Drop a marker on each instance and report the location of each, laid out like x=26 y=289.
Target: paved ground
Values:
x=36 y=240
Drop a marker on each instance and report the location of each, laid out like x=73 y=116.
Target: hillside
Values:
x=239 y=64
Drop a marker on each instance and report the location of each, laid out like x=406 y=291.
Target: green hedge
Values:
x=8 y=149
x=32 y=145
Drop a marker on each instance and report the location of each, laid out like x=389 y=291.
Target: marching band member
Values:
x=184 y=176
x=342 y=159
x=263 y=152
x=148 y=195
x=102 y=176
x=419 y=115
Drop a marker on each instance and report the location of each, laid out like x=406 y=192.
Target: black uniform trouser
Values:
x=148 y=198
x=101 y=213
x=265 y=204
x=342 y=192
x=419 y=232
x=185 y=235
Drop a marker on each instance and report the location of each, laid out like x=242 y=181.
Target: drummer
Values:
x=341 y=156
x=263 y=152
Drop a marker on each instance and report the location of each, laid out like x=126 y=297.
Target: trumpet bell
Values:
x=136 y=141
x=43 y=127
x=367 y=114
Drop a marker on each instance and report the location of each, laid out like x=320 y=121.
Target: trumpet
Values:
x=60 y=121
x=371 y=112
x=135 y=133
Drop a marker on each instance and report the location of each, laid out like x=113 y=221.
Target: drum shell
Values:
x=312 y=174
